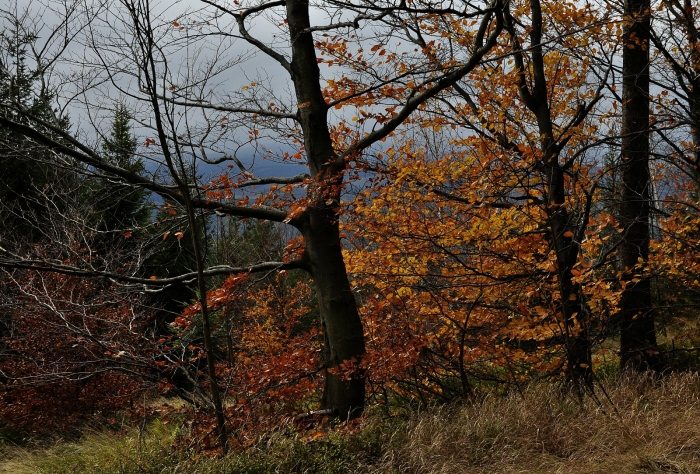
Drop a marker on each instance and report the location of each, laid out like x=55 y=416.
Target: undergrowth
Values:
x=647 y=425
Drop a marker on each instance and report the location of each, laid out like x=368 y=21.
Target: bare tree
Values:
x=675 y=35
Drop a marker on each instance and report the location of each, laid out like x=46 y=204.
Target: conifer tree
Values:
x=124 y=207
x=25 y=174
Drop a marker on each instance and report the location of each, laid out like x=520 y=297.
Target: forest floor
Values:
x=637 y=425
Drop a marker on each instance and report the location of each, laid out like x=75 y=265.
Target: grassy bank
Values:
x=650 y=427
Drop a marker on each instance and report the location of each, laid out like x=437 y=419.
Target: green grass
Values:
x=651 y=426
x=151 y=451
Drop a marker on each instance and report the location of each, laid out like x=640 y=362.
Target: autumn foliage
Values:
x=463 y=207
x=74 y=351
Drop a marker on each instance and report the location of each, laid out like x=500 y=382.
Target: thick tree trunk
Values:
x=343 y=333
x=638 y=350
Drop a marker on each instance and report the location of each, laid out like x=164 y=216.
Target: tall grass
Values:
x=647 y=426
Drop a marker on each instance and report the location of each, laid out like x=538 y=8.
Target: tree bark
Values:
x=638 y=350
x=343 y=333
x=319 y=224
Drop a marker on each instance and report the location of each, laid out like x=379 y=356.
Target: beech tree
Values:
x=566 y=226
x=522 y=158
x=191 y=118
x=638 y=349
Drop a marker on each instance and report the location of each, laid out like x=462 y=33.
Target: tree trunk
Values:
x=343 y=333
x=579 y=367
x=573 y=310
x=638 y=350
x=694 y=102
x=340 y=320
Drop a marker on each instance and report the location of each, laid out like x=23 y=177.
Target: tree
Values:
x=527 y=124
x=638 y=349
x=170 y=100
x=124 y=207
x=675 y=123
x=24 y=173
x=69 y=351
x=566 y=228
x=70 y=348
x=676 y=38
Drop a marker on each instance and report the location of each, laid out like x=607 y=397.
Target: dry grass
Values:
x=654 y=427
